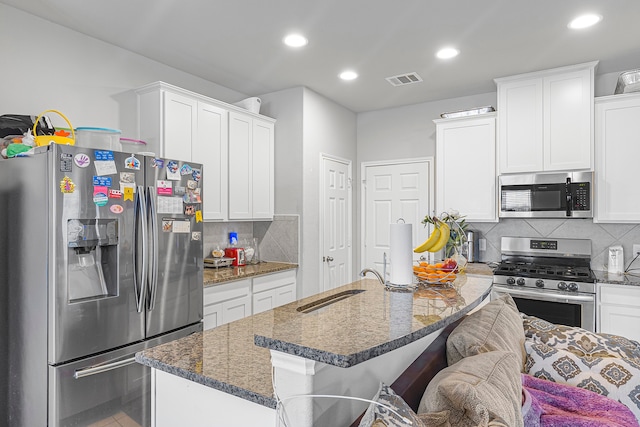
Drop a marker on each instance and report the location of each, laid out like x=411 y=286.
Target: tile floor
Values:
x=118 y=420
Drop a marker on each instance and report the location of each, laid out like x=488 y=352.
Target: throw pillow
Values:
x=579 y=341
x=496 y=326
x=614 y=377
x=390 y=408
x=480 y=390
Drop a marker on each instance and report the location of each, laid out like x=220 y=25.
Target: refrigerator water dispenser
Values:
x=92 y=262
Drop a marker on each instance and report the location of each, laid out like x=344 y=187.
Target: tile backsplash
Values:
x=278 y=240
x=601 y=235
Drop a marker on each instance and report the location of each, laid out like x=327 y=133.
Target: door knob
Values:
x=328 y=259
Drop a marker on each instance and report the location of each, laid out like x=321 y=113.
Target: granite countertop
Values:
x=216 y=276
x=617 y=279
x=478 y=268
x=235 y=357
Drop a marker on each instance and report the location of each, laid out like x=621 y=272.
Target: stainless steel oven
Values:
x=548 y=278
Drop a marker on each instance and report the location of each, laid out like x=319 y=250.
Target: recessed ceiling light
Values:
x=447 y=52
x=584 y=21
x=348 y=75
x=295 y=40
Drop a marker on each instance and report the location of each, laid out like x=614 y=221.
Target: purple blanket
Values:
x=550 y=404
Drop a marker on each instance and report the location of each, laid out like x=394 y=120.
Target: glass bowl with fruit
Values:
x=436 y=273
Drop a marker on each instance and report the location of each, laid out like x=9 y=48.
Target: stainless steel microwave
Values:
x=547 y=195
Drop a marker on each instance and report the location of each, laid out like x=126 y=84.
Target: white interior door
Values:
x=335 y=222
x=393 y=190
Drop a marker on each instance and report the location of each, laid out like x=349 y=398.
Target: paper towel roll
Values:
x=401 y=248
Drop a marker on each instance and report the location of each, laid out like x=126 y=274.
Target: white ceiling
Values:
x=237 y=43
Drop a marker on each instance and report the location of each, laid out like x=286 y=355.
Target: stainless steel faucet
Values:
x=381 y=277
x=375 y=272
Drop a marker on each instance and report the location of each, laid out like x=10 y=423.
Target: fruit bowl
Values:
x=436 y=273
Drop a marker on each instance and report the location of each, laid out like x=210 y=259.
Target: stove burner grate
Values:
x=535 y=270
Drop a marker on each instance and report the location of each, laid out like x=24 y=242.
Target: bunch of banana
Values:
x=436 y=241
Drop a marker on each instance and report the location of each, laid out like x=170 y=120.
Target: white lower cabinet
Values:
x=273 y=290
x=226 y=303
x=235 y=300
x=619 y=310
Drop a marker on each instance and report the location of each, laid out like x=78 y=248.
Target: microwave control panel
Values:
x=580 y=195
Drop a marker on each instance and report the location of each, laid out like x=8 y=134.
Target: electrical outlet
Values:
x=636 y=249
x=482 y=244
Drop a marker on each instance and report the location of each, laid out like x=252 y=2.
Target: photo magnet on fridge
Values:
x=172 y=171
x=128 y=177
x=190 y=209
x=132 y=163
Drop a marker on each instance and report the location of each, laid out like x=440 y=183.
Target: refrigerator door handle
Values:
x=141 y=213
x=86 y=372
x=153 y=273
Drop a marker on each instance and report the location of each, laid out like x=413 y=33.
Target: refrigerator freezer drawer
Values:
x=106 y=388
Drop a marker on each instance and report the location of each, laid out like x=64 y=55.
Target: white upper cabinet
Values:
x=251 y=167
x=213 y=129
x=617 y=153
x=520 y=125
x=545 y=120
x=184 y=125
x=180 y=118
x=466 y=167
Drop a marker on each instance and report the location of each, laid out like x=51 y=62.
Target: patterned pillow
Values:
x=378 y=415
x=580 y=341
x=614 y=377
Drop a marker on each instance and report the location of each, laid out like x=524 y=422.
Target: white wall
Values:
x=286 y=107
x=328 y=129
x=307 y=125
x=49 y=66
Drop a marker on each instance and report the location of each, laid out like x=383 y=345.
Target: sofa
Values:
x=500 y=367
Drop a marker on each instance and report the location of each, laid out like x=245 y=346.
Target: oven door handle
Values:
x=545 y=296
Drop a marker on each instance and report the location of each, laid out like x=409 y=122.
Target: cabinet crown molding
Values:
x=160 y=85
x=565 y=69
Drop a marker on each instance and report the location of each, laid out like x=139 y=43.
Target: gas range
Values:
x=551 y=264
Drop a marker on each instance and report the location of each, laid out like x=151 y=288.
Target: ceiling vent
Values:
x=404 y=79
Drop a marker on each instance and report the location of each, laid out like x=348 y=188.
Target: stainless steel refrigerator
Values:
x=102 y=257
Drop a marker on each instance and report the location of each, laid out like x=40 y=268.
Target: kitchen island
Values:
x=341 y=342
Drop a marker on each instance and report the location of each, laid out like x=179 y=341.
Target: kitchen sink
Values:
x=323 y=302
